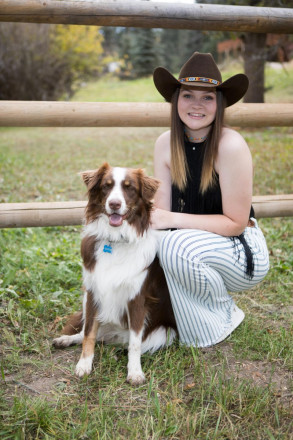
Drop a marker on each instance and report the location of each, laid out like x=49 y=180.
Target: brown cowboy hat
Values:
x=201 y=71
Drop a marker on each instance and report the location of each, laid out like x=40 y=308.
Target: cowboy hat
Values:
x=201 y=71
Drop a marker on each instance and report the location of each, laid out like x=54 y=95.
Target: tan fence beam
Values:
x=83 y=114
x=150 y=15
x=129 y=114
x=273 y=206
x=22 y=215
x=260 y=115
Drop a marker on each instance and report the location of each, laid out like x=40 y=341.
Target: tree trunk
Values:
x=254 y=65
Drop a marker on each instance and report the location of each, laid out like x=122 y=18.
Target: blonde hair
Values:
x=179 y=166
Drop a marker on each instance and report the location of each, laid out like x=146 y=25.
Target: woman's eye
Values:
x=209 y=98
x=187 y=95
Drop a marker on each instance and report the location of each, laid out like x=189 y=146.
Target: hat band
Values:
x=200 y=79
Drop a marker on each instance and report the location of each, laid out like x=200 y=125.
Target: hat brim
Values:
x=233 y=88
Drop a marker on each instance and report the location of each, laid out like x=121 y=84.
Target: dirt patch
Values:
x=38 y=386
x=58 y=375
x=260 y=373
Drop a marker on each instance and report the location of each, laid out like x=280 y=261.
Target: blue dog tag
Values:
x=107 y=249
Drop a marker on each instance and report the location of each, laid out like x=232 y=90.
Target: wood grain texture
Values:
x=130 y=114
x=150 y=15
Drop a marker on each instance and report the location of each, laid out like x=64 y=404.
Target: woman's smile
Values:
x=196 y=115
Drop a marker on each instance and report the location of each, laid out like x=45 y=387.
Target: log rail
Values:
x=20 y=215
x=150 y=15
x=129 y=114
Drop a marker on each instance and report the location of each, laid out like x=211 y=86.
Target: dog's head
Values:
x=122 y=194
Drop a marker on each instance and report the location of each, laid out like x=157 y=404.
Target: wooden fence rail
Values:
x=20 y=215
x=129 y=114
x=150 y=15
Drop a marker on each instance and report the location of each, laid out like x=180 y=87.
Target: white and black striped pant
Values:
x=201 y=267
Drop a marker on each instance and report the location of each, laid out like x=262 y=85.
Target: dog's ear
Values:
x=87 y=176
x=149 y=185
x=92 y=177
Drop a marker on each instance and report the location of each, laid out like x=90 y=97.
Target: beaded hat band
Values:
x=199 y=79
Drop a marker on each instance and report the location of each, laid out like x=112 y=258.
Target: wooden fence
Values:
x=129 y=114
x=70 y=114
x=150 y=15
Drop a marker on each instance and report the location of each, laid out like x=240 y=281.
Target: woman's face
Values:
x=197 y=108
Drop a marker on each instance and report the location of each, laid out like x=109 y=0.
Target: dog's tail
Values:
x=158 y=338
x=73 y=325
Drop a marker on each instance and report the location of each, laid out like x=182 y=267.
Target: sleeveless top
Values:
x=191 y=201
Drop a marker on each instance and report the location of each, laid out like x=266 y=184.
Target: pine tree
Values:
x=143 y=53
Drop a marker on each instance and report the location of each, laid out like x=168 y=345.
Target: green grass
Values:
x=240 y=389
x=112 y=90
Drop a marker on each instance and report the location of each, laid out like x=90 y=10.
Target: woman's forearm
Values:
x=216 y=223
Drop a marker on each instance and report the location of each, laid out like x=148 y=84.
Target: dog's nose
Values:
x=115 y=204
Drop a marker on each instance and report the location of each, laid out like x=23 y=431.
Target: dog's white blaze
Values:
x=117 y=193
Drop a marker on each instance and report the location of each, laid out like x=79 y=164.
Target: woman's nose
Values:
x=196 y=102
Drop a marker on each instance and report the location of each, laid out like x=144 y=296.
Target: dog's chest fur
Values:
x=120 y=268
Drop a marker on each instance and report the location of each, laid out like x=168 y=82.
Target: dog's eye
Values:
x=107 y=184
x=128 y=186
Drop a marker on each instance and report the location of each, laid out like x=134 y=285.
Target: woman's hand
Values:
x=160 y=218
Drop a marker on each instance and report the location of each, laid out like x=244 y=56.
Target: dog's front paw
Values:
x=84 y=366
x=62 y=342
x=136 y=378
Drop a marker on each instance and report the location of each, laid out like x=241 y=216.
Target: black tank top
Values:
x=191 y=201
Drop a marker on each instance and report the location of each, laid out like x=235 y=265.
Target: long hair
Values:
x=179 y=167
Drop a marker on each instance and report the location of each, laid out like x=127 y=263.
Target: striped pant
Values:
x=200 y=268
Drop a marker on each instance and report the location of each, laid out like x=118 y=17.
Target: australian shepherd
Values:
x=126 y=298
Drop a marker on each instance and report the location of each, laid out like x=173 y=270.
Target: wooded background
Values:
x=51 y=61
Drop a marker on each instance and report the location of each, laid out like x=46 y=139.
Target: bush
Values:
x=45 y=62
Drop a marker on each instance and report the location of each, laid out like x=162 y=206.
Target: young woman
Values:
x=213 y=244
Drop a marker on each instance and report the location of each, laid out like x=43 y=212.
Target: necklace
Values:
x=194 y=139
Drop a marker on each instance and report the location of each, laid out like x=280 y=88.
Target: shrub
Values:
x=45 y=62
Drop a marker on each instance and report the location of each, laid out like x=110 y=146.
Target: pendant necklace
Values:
x=194 y=139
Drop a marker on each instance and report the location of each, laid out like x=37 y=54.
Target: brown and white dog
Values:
x=126 y=297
